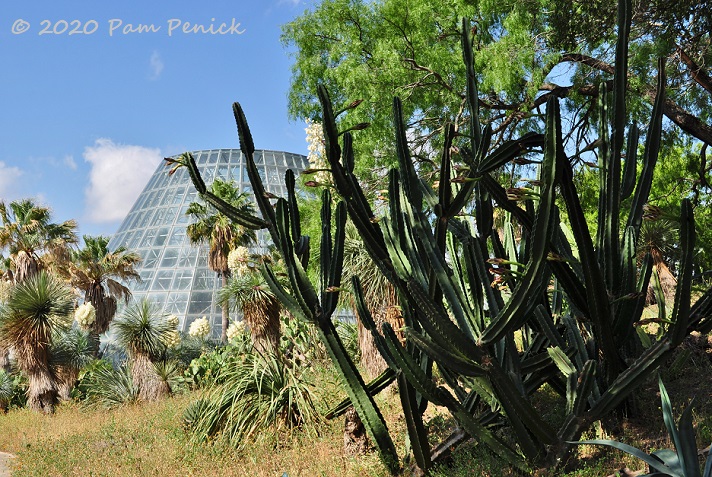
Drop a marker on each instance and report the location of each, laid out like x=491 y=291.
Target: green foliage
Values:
x=142 y=329
x=681 y=462
x=581 y=340
x=252 y=392
x=7 y=389
x=103 y=385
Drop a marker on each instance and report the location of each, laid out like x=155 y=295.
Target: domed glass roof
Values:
x=175 y=274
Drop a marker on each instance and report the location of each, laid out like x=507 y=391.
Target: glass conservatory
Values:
x=175 y=274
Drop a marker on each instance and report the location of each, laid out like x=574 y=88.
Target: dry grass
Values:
x=148 y=439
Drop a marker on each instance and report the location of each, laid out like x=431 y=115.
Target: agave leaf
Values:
x=635 y=452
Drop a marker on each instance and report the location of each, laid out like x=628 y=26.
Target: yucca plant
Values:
x=249 y=293
x=36 y=308
x=256 y=392
x=142 y=330
x=72 y=350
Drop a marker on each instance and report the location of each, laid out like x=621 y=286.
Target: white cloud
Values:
x=119 y=173
x=70 y=162
x=9 y=176
x=156 y=64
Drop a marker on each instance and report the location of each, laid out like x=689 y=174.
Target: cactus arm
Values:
x=194 y=173
x=356 y=389
x=515 y=309
x=248 y=149
x=625 y=310
x=586 y=383
x=473 y=100
x=596 y=290
x=459 y=364
x=681 y=306
x=509 y=150
x=440 y=396
x=650 y=154
x=334 y=271
x=285 y=298
x=631 y=162
x=417 y=433
x=378 y=384
x=300 y=285
x=246 y=220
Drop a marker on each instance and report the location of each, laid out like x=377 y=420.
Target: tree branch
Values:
x=698 y=74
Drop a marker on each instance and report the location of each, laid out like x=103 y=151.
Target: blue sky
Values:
x=88 y=117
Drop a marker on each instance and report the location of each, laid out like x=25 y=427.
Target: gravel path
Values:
x=5 y=459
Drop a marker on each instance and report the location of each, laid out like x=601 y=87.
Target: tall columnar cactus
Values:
x=580 y=338
x=585 y=346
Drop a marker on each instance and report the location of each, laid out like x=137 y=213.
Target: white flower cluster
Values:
x=235 y=329
x=317 y=151
x=173 y=321
x=85 y=315
x=5 y=289
x=200 y=328
x=238 y=260
x=172 y=339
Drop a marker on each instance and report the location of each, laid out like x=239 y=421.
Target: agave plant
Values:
x=143 y=331
x=683 y=461
x=35 y=310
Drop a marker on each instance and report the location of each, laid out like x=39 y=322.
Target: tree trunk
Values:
x=66 y=379
x=150 y=385
x=225 y=311
x=355 y=438
x=41 y=391
x=265 y=327
x=4 y=359
x=105 y=306
x=389 y=312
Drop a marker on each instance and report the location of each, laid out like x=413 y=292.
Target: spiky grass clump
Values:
x=106 y=386
x=258 y=391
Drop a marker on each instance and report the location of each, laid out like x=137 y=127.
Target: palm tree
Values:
x=217 y=230
x=143 y=332
x=249 y=293
x=36 y=308
x=95 y=270
x=32 y=240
